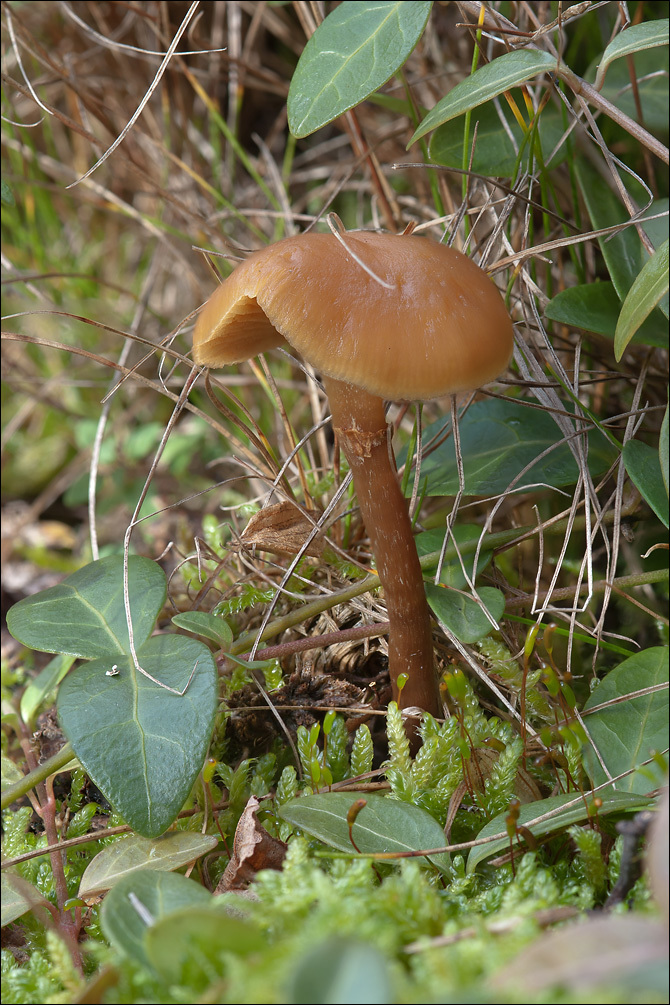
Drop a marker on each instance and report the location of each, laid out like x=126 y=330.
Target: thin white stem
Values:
x=181 y=401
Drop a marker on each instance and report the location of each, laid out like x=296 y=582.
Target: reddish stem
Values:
x=360 y=425
x=67 y=926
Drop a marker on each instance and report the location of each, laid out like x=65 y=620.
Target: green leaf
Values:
x=142 y=748
x=142 y=745
x=632 y=730
x=495 y=152
x=595 y=307
x=498 y=440
x=193 y=942
x=18 y=897
x=382 y=825
x=342 y=970
x=646 y=292
x=644 y=467
x=623 y=252
x=84 y=616
x=351 y=54
x=618 y=802
x=47 y=681
x=133 y=853
x=10 y=771
x=143 y=440
x=664 y=449
x=451 y=573
x=206 y=625
x=655 y=226
x=462 y=615
x=7 y=198
x=486 y=83
x=139 y=900
x=633 y=39
x=651 y=74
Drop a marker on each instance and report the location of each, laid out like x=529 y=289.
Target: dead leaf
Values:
x=49 y=735
x=282 y=529
x=253 y=849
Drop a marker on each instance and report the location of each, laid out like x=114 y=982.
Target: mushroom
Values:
x=379 y=316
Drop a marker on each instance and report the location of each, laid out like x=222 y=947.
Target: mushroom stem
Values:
x=363 y=433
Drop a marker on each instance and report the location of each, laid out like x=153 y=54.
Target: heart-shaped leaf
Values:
x=499 y=440
x=462 y=615
x=142 y=740
x=85 y=616
x=142 y=745
x=209 y=626
x=632 y=728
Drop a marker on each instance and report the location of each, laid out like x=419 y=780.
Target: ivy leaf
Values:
x=209 y=626
x=595 y=307
x=632 y=730
x=498 y=440
x=142 y=745
x=85 y=616
x=462 y=615
x=643 y=464
x=351 y=54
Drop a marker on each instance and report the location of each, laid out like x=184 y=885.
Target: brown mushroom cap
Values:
x=442 y=328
